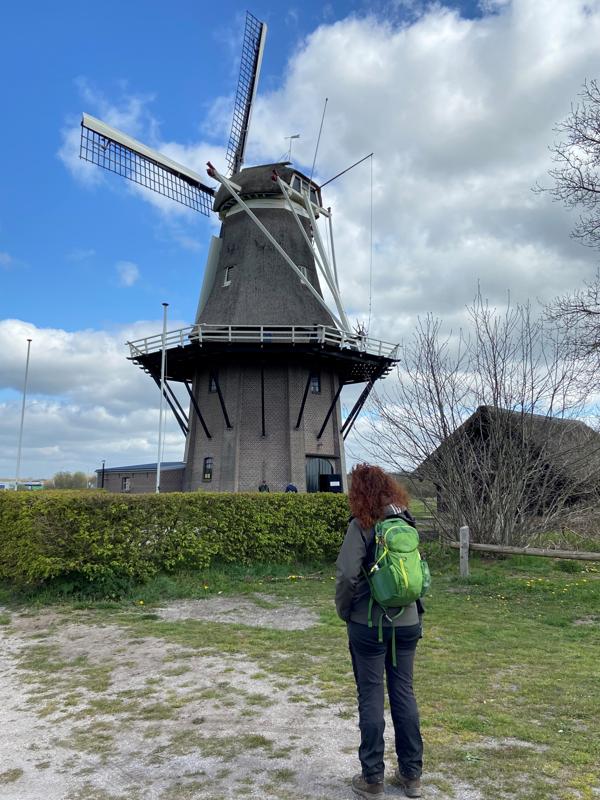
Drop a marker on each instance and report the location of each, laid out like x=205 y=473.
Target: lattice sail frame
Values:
x=252 y=50
x=134 y=161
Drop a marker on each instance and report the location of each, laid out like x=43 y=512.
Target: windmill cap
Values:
x=257 y=182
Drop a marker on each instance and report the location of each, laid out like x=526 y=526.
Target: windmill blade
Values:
x=113 y=150
x=252 y=52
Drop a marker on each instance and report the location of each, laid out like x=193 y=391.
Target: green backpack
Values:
x=398 y=575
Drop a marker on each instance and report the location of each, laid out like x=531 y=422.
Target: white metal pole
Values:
x=286 y=194
x=321 y=249
x=162 y=395
x=22 y=416
x=335 y=273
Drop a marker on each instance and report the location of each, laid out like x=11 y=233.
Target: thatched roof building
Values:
x=541 y=457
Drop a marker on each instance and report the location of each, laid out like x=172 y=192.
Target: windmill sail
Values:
x=109 y=148
x=252 y=51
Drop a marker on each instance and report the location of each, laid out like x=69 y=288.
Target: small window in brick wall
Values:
x=208 y=469
x=228 y=276
x=212 y=383
x=315 y=383
x=125 y=484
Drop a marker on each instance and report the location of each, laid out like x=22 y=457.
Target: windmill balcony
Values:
x=263 y=336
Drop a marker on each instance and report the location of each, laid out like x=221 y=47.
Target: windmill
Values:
x=266 y=359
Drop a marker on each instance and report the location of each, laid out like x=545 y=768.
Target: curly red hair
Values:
x=371 y=490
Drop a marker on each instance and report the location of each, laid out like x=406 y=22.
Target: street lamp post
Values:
x=22 y=416
x=162 y=395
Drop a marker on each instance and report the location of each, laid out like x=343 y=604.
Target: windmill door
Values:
x=315 y=467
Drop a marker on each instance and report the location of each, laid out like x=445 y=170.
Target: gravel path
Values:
x=115 y=717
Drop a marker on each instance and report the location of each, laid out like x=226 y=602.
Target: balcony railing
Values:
x=264 y=335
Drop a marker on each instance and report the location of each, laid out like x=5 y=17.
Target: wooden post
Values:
x=464 y=551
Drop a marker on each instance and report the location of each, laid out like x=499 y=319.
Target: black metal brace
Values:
x=331 y=407
x=304 y=396
x=356 y=409
x=197 y=409
x=183 y=413
x=262 y=397
x=223 y=409
x=179 y=414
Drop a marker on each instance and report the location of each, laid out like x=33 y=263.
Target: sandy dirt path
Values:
x=90 y=712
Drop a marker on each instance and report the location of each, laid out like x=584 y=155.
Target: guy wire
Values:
x=318 y=140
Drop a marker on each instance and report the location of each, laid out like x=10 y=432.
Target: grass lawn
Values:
x=507 y=675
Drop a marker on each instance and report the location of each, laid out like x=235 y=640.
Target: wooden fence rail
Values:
x=464 y=545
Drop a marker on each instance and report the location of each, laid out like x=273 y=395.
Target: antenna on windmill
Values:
x=318 y=139
x=255 y=34
x=291 y=138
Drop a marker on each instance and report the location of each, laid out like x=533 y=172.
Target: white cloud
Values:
x=128 y=272
x=6 y=260
x=85 y=400
x=81 y=254
x=131 y=114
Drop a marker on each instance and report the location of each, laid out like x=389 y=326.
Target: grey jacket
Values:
x=352 y=591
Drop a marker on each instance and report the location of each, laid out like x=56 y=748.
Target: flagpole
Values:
x=22 y=416
x=162 y=394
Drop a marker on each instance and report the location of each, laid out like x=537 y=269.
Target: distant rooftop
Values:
x=164 y=465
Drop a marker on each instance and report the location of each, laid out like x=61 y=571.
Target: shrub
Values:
x=110 y=540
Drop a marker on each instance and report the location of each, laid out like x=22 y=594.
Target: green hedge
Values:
x=107 y=538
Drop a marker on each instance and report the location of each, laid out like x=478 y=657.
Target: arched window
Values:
x=208 y=469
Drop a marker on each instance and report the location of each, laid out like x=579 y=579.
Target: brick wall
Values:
x=144 y=482
x=242 y=456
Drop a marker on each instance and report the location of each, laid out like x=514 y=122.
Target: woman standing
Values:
x=373 y=497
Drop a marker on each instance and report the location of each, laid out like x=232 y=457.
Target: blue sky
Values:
x=456 y=100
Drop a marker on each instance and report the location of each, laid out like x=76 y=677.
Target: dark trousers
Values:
x=369 y=660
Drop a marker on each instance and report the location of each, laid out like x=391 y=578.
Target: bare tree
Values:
x=576 y=175
x=577 y=316
x=576 y=155
x=490 y=416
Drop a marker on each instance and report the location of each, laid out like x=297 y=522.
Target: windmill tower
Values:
x=266 y=359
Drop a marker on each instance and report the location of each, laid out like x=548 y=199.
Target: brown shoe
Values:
x=411 y=786
x=363 y=789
